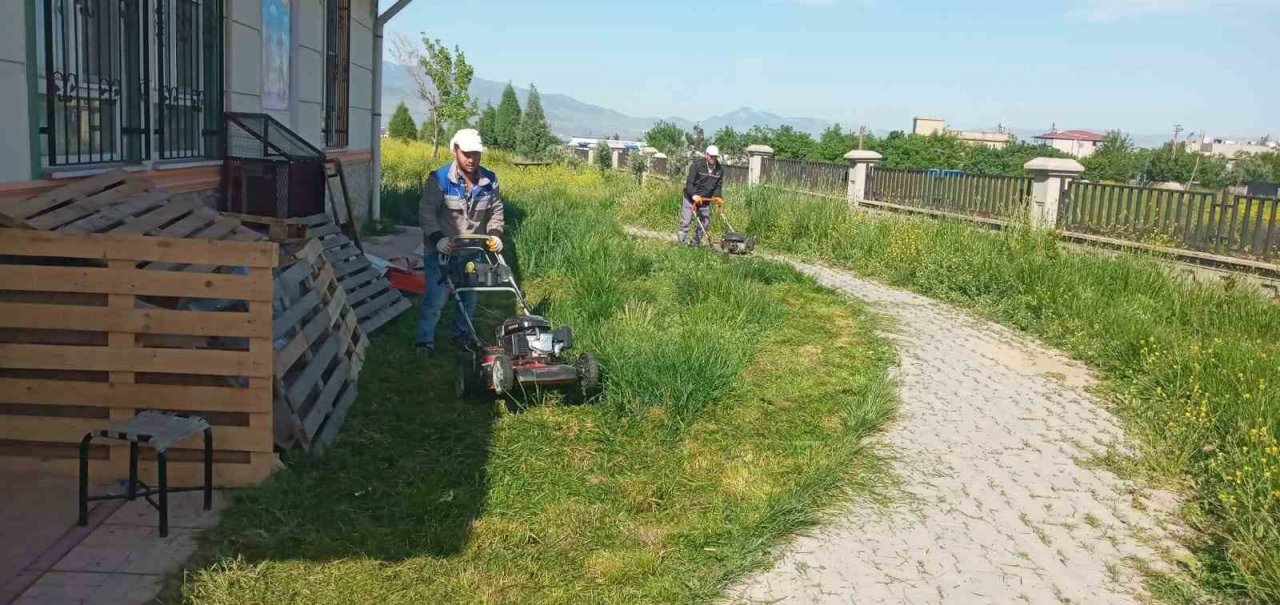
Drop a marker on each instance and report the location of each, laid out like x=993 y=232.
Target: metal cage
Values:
x=269 y=170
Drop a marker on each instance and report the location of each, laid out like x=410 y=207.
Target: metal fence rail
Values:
x=826 y=177
x=1242 y=225
x=736 y=175
x=987 y=196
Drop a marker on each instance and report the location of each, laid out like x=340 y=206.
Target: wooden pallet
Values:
x=319 y=349
x=335 y=180
x=368 y=290
x=81 y=347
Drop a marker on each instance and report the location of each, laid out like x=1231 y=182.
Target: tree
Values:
x=793 y=144
x=666 y=137
x=732 y=145
x=1116 y=160
x=442 y=77
x=429 y=128
x=534 y=136
x=506 y=119
x=834 y=143
x=697 y=138
x=486 y=125
x=401 y=125
x=604 y=155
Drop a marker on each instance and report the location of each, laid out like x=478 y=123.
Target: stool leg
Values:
x=133 y=470
x=163 y=471
x=84 y=481
x=208 y=469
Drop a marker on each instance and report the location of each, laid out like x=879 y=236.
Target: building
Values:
x=1078 y=143
x=1231 y=149
x=92 y=85
x=925 y=126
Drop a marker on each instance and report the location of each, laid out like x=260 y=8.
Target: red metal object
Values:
x=404 y=280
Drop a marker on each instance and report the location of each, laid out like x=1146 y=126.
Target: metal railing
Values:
x=823 y=177
x=1236 y=225
x=120 y=79
x=736 y=175
x=984 y=196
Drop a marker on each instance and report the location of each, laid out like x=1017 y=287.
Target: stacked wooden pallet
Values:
x=83 y=345
x=368 y=290
x=319 y=351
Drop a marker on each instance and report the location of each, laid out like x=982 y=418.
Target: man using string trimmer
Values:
x=702 y=188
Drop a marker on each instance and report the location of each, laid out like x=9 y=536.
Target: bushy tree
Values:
x=834 y=143
x=666 y=137
x=534 y=136
x=1258 y=167
x=697 y=139
x=401 y=125
x=506 y=119
x=604 y=155
x=486 y=125
x=732 y=145
x=442 y=77
x=1116 y=159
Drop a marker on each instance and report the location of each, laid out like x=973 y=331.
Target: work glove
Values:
x=494 y=244
x=697 y=200
x=719 y=201
x=444 y=246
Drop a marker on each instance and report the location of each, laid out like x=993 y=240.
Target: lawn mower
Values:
x=732 y=242
x=528 y=353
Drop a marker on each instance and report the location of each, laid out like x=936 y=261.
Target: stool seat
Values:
x=157 y=430
x=160 y=430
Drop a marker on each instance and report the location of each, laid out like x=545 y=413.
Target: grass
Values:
x=733 y=416
x=1190 y=368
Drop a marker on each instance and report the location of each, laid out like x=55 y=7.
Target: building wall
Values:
x=1079 y=149
x=242 y=68
x=927 y=126
x=15 y=128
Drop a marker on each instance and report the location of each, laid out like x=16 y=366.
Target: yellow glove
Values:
x=697 y=200
x=719 y=201
x=494 y=244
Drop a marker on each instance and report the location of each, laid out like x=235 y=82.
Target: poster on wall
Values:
x=276 y=25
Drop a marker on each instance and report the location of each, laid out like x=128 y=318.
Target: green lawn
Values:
x=1191 y=368
x=715 y=438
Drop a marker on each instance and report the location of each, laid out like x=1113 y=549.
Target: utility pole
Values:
x=1177 y=130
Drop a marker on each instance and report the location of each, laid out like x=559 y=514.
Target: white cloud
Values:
x=1111 y=10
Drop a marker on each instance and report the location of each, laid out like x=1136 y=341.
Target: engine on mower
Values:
x=531 y=336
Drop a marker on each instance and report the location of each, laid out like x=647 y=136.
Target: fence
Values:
x=1241 y=225
x=821 y=177
x=736 y=175
x=986 y=196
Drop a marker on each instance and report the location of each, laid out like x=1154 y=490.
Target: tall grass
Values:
x=713 y=439
x=1192 y=368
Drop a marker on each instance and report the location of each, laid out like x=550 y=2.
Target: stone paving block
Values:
x=130 y=549
x=186 y=509
x=75 y=588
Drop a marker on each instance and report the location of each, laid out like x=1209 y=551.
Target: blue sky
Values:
x=1138 y=65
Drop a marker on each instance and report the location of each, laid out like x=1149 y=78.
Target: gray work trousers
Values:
x=686 y=217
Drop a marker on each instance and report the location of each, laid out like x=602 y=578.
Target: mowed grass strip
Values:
x=1193 y=369
x=739 y=395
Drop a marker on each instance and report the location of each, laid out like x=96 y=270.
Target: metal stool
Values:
x=160 y=430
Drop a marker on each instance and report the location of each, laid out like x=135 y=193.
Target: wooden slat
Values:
x=135 y=321
x=109 y=359
x=114 y=215
x=143 y=223
x=100 y=246
x=373 y=306
x=323 y=406
x=133 y=281
x=85 y=207
x=71 y=191
x=70 y=430
x=105 y=394
x=373 y=323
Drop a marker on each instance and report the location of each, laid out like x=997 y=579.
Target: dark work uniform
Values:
x=708 y=182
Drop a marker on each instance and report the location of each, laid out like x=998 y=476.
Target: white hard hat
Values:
x=713 y=151
x=468 y=140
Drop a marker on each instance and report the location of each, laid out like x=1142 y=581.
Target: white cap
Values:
x=713 y=151
x=468 y=140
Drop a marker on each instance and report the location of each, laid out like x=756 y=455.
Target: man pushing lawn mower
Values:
x=459 y=199
x=701 y=189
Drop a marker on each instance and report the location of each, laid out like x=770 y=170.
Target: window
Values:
x=129 y=80
x=337 y=73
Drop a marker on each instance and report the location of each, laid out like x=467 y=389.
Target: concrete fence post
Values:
x=860 y=161
x=755 y=162
x=1049 y=177
x=615 y=157
x=591 y=154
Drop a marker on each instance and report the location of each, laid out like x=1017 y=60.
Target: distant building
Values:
x=1230 y=149
x=925 y=126
x=592 y=142
x=1079 y=143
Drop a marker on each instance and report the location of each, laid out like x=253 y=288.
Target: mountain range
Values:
x=570 y=117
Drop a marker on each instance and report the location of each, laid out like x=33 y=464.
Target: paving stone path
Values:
x=989 y=443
